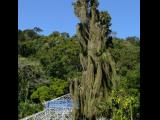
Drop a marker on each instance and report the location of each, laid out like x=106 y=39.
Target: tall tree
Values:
x=99 y=75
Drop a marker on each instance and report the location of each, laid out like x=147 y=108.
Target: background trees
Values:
x=47 y=64
x=124 y=102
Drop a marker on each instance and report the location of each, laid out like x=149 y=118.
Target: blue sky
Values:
x=58 y=15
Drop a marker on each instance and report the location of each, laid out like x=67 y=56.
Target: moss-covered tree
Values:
x=99 y=75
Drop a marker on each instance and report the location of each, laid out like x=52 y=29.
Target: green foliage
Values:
x=30 y=75
x=128 y=105
x=122 y=105
x=124 y=102
x=28 y=108
x=55 y=34
x=26 y=49
x=65 y=35
x=28 y=34
x=61 y=60
x=105 y=20
x=47 y=63
x=126 y=55
x=56 y=88
x=41 y=94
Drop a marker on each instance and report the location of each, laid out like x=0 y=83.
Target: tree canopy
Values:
x=47 y=64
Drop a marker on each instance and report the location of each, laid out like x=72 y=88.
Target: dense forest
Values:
x=47 y=64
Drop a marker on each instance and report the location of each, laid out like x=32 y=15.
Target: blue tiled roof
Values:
x=59 y=104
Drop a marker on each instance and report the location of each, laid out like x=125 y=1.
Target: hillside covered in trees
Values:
x=47 y=64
